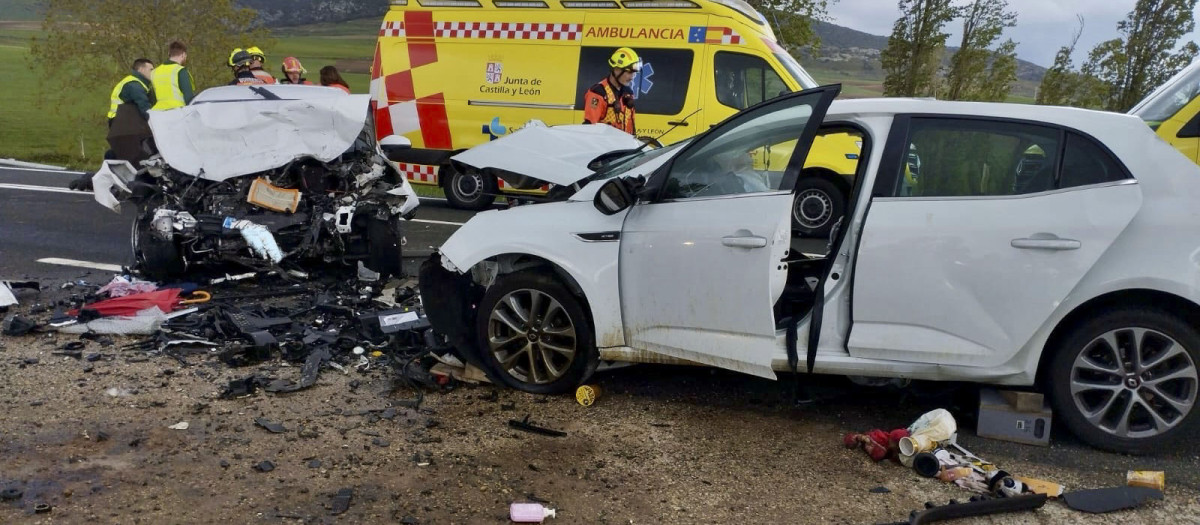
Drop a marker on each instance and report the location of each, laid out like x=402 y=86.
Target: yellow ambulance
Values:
x=452 y=74
x=1173 y=111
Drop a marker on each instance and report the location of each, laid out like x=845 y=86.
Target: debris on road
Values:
x=341 y=501
x=530 y=513
x=526 y=426
x=274 y=428
x=976 y=506
x=264 y=466
x=182 y=425
x=587 y=395
x=1153 y=479
x=1099 y=501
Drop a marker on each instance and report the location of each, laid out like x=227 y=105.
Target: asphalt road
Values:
x=48 y=232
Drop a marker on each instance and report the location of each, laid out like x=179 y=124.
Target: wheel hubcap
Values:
x=1134 y=382
x=813 y=208
x=468 y=187
x=532 y=337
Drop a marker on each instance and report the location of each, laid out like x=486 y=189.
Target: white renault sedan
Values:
x=996 y=243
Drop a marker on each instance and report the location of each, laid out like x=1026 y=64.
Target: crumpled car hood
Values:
x=218 y=141
x=558 y=155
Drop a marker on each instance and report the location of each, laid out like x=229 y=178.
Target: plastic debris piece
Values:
x=11 y=493
x=146 y=322
x=880 y=490
x=264 y=466
x=529 y=513
x=1099 y=501
x=118 y=392
x=16 y=325
x=258 y=237
x=308 y=374
x=341 y=501
x=7 y=297
x=978 y=506
x=525 y=425
x=182 y=425
x=937 y=425
x=274 y=428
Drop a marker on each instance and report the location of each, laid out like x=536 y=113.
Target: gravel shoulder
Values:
x=662 y=445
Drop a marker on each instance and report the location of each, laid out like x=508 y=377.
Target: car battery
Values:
x=1020 y=417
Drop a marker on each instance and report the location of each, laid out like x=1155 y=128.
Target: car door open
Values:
x=701 y=255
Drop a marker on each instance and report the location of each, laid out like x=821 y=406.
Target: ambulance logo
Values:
x=495 y=72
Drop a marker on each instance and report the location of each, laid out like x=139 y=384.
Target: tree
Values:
x=793 y=19
x=90 y=44
x=1145 y=55
x=915 y=47
x=978 y=72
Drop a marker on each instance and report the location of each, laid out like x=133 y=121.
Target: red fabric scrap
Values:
x=166 y=300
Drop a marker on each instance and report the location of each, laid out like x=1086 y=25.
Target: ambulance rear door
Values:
x=666 y=90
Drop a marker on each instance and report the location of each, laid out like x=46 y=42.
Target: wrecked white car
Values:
x=259 y=176
x=1039 y=246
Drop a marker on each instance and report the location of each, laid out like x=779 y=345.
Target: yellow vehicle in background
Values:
x=452 y=74
x=1173 y=111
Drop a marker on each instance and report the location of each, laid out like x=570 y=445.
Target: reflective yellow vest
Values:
x=166 y=87
x=116 y=94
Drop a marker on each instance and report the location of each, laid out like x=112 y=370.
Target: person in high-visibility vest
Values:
x=293 y=72
x=257 y=58
x=173 y=84
x=128 y=109
x=133 y=90
x=330 y=77
x=610 y=101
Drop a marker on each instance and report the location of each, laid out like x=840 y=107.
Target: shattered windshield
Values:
x=626 y=164
x=1169 y=99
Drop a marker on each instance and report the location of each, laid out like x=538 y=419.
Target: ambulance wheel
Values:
x=818 y=204
x=470 y=191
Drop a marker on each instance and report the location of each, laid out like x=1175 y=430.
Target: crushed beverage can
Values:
x=586 y=395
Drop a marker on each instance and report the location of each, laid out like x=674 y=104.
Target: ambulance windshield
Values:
x=796 y=71
x=1167 y=100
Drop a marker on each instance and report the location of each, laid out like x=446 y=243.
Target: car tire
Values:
x=472 y=191
x=1126 y=380
x=817 y=206
x=154 y=258
x=529 y=352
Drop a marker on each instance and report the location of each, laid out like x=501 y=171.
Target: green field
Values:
x=32 y=132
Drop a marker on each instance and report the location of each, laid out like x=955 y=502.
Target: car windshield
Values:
x=623 y=165
x=1170 y=98
x=797 y=72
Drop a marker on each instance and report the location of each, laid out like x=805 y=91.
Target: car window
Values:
x=1085 y=162
x=660 y=88
x=751 y=154
x=971 y=158
x=745 y=80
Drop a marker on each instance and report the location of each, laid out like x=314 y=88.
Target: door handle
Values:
x=1046 y=241
x=682 y=123
x=744 y=241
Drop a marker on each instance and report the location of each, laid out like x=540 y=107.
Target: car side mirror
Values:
x=394 y=145
x=615 y=196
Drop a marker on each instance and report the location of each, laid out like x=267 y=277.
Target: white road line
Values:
x=47 y=189
x=81 y=264
x=65 y=172
x=444 y=223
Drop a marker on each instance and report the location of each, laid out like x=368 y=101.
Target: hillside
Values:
x=300 y=12
x=840 y=43
x=20 y=10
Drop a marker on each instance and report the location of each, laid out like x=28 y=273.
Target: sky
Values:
x=1042 y=27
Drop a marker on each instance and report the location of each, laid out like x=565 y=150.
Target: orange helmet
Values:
x=292 y=65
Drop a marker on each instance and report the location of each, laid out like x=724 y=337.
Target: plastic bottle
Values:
x=529 y=513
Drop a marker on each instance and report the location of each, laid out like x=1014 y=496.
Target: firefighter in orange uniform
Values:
x=610 y=101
